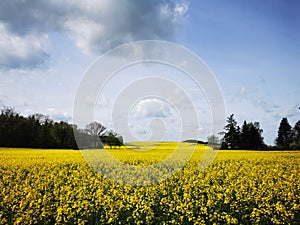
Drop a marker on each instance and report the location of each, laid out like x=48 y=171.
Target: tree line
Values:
x=39 y=131
x=249 y=136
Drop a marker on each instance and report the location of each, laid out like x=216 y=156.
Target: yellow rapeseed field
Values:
x=61 y=187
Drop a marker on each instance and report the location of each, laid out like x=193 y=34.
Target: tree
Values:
x=231 y=137
x=84 y=140
x=296 y=138
x=213 y=141
x=7 y=126
x=251 y=136
x=40 y=118
x=46 y=136
x=285 y=135
x=38 y=131
x=245 y=134
x=113 y=139
x=256 y=138
x=63 y=134
x=97 y=131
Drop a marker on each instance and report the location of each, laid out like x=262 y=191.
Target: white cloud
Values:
x=138 y=128
x=19 y=102
x=103 y=101
x=154 y=119
x=22 y=51
x=58 y=115
x=182 y=8
x=85 y=33
x=94 y=26
x=243 y=90
x=151 y=108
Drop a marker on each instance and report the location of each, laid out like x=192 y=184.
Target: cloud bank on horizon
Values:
x=94 y=26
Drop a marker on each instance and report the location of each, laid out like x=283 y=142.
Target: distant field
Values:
x=238 y=187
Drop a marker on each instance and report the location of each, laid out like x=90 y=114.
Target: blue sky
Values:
x=252 y=47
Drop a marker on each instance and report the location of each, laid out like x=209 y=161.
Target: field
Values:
x=60 y=187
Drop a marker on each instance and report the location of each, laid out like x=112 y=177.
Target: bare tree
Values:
x=213 y=141
x=97 y=131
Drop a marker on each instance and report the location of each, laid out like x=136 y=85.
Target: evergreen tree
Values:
x=285 y=135
x=231 y=138
x=245 y=134
x=296 y=138
x=251 y=136
x=256 y=141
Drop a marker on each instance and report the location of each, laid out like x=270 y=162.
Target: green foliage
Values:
x=38 y=131
x=285 y=135
x=34 y=131
x=113 y=139
x=250 y=137
x=231 y=138
x=296 y=136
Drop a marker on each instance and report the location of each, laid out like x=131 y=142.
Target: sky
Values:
x=251 y=47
